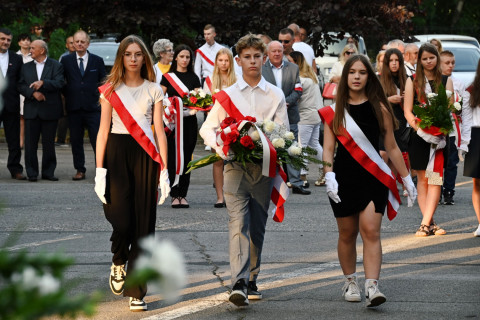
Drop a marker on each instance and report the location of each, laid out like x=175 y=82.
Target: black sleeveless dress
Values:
x=356 y=186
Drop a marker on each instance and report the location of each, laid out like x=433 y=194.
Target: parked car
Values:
x=447 y=37
x=332 y=51
x=105 y=49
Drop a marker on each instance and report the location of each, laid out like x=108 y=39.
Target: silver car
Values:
x=466 y=60
x=105 y=49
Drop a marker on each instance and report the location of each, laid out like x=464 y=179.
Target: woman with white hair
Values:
x=163 y=51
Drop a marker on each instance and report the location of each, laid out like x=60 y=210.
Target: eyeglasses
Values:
x=349 y=53
x=169 y=50
x=284 y=41
x=137 y=55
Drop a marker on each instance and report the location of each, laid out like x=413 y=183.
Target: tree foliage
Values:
x=182 y=21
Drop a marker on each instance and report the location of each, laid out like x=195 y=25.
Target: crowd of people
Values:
x=275 y=80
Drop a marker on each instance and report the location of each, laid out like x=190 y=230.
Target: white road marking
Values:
x=36 y=244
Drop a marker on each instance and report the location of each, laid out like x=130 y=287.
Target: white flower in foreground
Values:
x=278 y=143
x=289 y=135
x=269 y=126
x=457 y=106
x=449 y=93
x=431 y=95
x=193 y=92
x=202 y=94
x=30 y=280
x=48 y=284
x=294 y=150
x=216 y=91
x=164 y=258
x=253 y=133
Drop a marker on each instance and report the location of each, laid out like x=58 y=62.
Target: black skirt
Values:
x=419 y=152
x=472 y=158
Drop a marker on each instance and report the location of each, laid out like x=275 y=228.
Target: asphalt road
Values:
x=437 y=277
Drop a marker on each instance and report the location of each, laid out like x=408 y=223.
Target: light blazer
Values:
x=53 y=81
x=11 y=97
x=290 y=81
x=81 y=93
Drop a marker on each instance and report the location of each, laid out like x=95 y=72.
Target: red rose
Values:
x=231 y=137
x=193 y=99
x=227 y=122
x=247 y=142
x=251 y=119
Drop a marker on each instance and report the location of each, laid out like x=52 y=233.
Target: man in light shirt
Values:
x=410 y=57
x=305 y=49
x=205 y=55
x=247 y=191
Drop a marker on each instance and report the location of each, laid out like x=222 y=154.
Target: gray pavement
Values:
x=437 y=277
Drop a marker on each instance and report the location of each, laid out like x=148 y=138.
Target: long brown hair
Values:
x=373 y=91
x=305 y=69
x=386 y=79
x=117 y=75
x=475 y=89
x=216 y=77
x=419 y=81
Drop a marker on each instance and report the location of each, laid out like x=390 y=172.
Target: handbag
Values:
x=330 y=90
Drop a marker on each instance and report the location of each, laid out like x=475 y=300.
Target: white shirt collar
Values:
x=281 y=66
x=41 y=62
x=242 y=84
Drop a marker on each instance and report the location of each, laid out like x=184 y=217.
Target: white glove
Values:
x=163 y=186
x=189 y=112
x=462 y=150
x=428 y=137
x=412 y=191
x=332 y=187
x=441 y=144
x=101 y=183
x=222 y=155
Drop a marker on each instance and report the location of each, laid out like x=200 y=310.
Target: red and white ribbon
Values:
x=174 y=120
x=133 y=119
x=176 y=83
x=229 y=99
x=204 y=56
x=365 y=154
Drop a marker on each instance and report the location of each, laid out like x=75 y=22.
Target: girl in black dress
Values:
x=357 y=197
x=428 y=68
x=182 y=67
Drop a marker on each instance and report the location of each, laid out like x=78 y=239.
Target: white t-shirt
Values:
x=306 y=50
x=146 y=95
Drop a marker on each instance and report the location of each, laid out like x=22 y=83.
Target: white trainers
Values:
x=351 y=291
x=137 y=304
x=476 y=233
x=117 y=278
x=373 y=296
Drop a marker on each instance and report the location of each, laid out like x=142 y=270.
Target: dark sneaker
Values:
x=117 y=278
x=137 y=305
x=238 y=296
x=252 y=291
x=448 y=198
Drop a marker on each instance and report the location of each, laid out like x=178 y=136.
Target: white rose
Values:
x=254 y=135
x=294 y=150
x=269 y=126
x=431 y=95
x=289 y=135
x=48 y=284
x=193 y=92
x=449 y=93
x=278 y=143
x=216 y=91
x=457 y=106
x=202 y=94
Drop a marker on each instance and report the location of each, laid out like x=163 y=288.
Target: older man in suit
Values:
x=84 y=73
x=41 y=81
x=285 y=75
x=10 y=66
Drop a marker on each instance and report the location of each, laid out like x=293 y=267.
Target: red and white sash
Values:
x=177 y=84
x=133 y=119
x=173 y=118
x=204 y=56
x=365 y=154
x=229 y=99
x=209 y=83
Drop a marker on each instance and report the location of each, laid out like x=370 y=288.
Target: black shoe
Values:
x=252 y=291
x=300 y=190
x=238 y=296
x=52 y=178
x=220 y=205
x=448 y=198
x=32 y=179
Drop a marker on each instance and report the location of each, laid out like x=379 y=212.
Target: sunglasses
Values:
x=284 y=41
x=349 y=53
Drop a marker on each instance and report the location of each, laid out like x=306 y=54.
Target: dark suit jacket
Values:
x=81 y=93
x=11 y=96
x=53 y=81
x=290 y=79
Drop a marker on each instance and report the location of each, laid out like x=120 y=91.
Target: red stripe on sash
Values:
x=209 y=84
x=205 y=57
x=175 y=85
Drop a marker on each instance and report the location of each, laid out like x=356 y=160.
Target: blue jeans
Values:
x=450 y=173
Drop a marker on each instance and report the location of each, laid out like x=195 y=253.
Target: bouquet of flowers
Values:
x=244 y=142
x=198 y=100
x=434 y=115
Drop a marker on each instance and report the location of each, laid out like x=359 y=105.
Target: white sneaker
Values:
x=117 y=278
x=476 y=233
x=373 y=296
x=137 y=304
x=351 y=291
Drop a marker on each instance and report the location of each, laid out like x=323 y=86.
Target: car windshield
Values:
x=466 y=59
x=107 y=51
x=334 y=49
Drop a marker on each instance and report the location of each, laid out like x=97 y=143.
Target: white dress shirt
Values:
x=266 y=102
x=409 y=69
x=4 y=63
x=40 y=65
x=85 y=60
x=277 y=74
x=202 y=68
